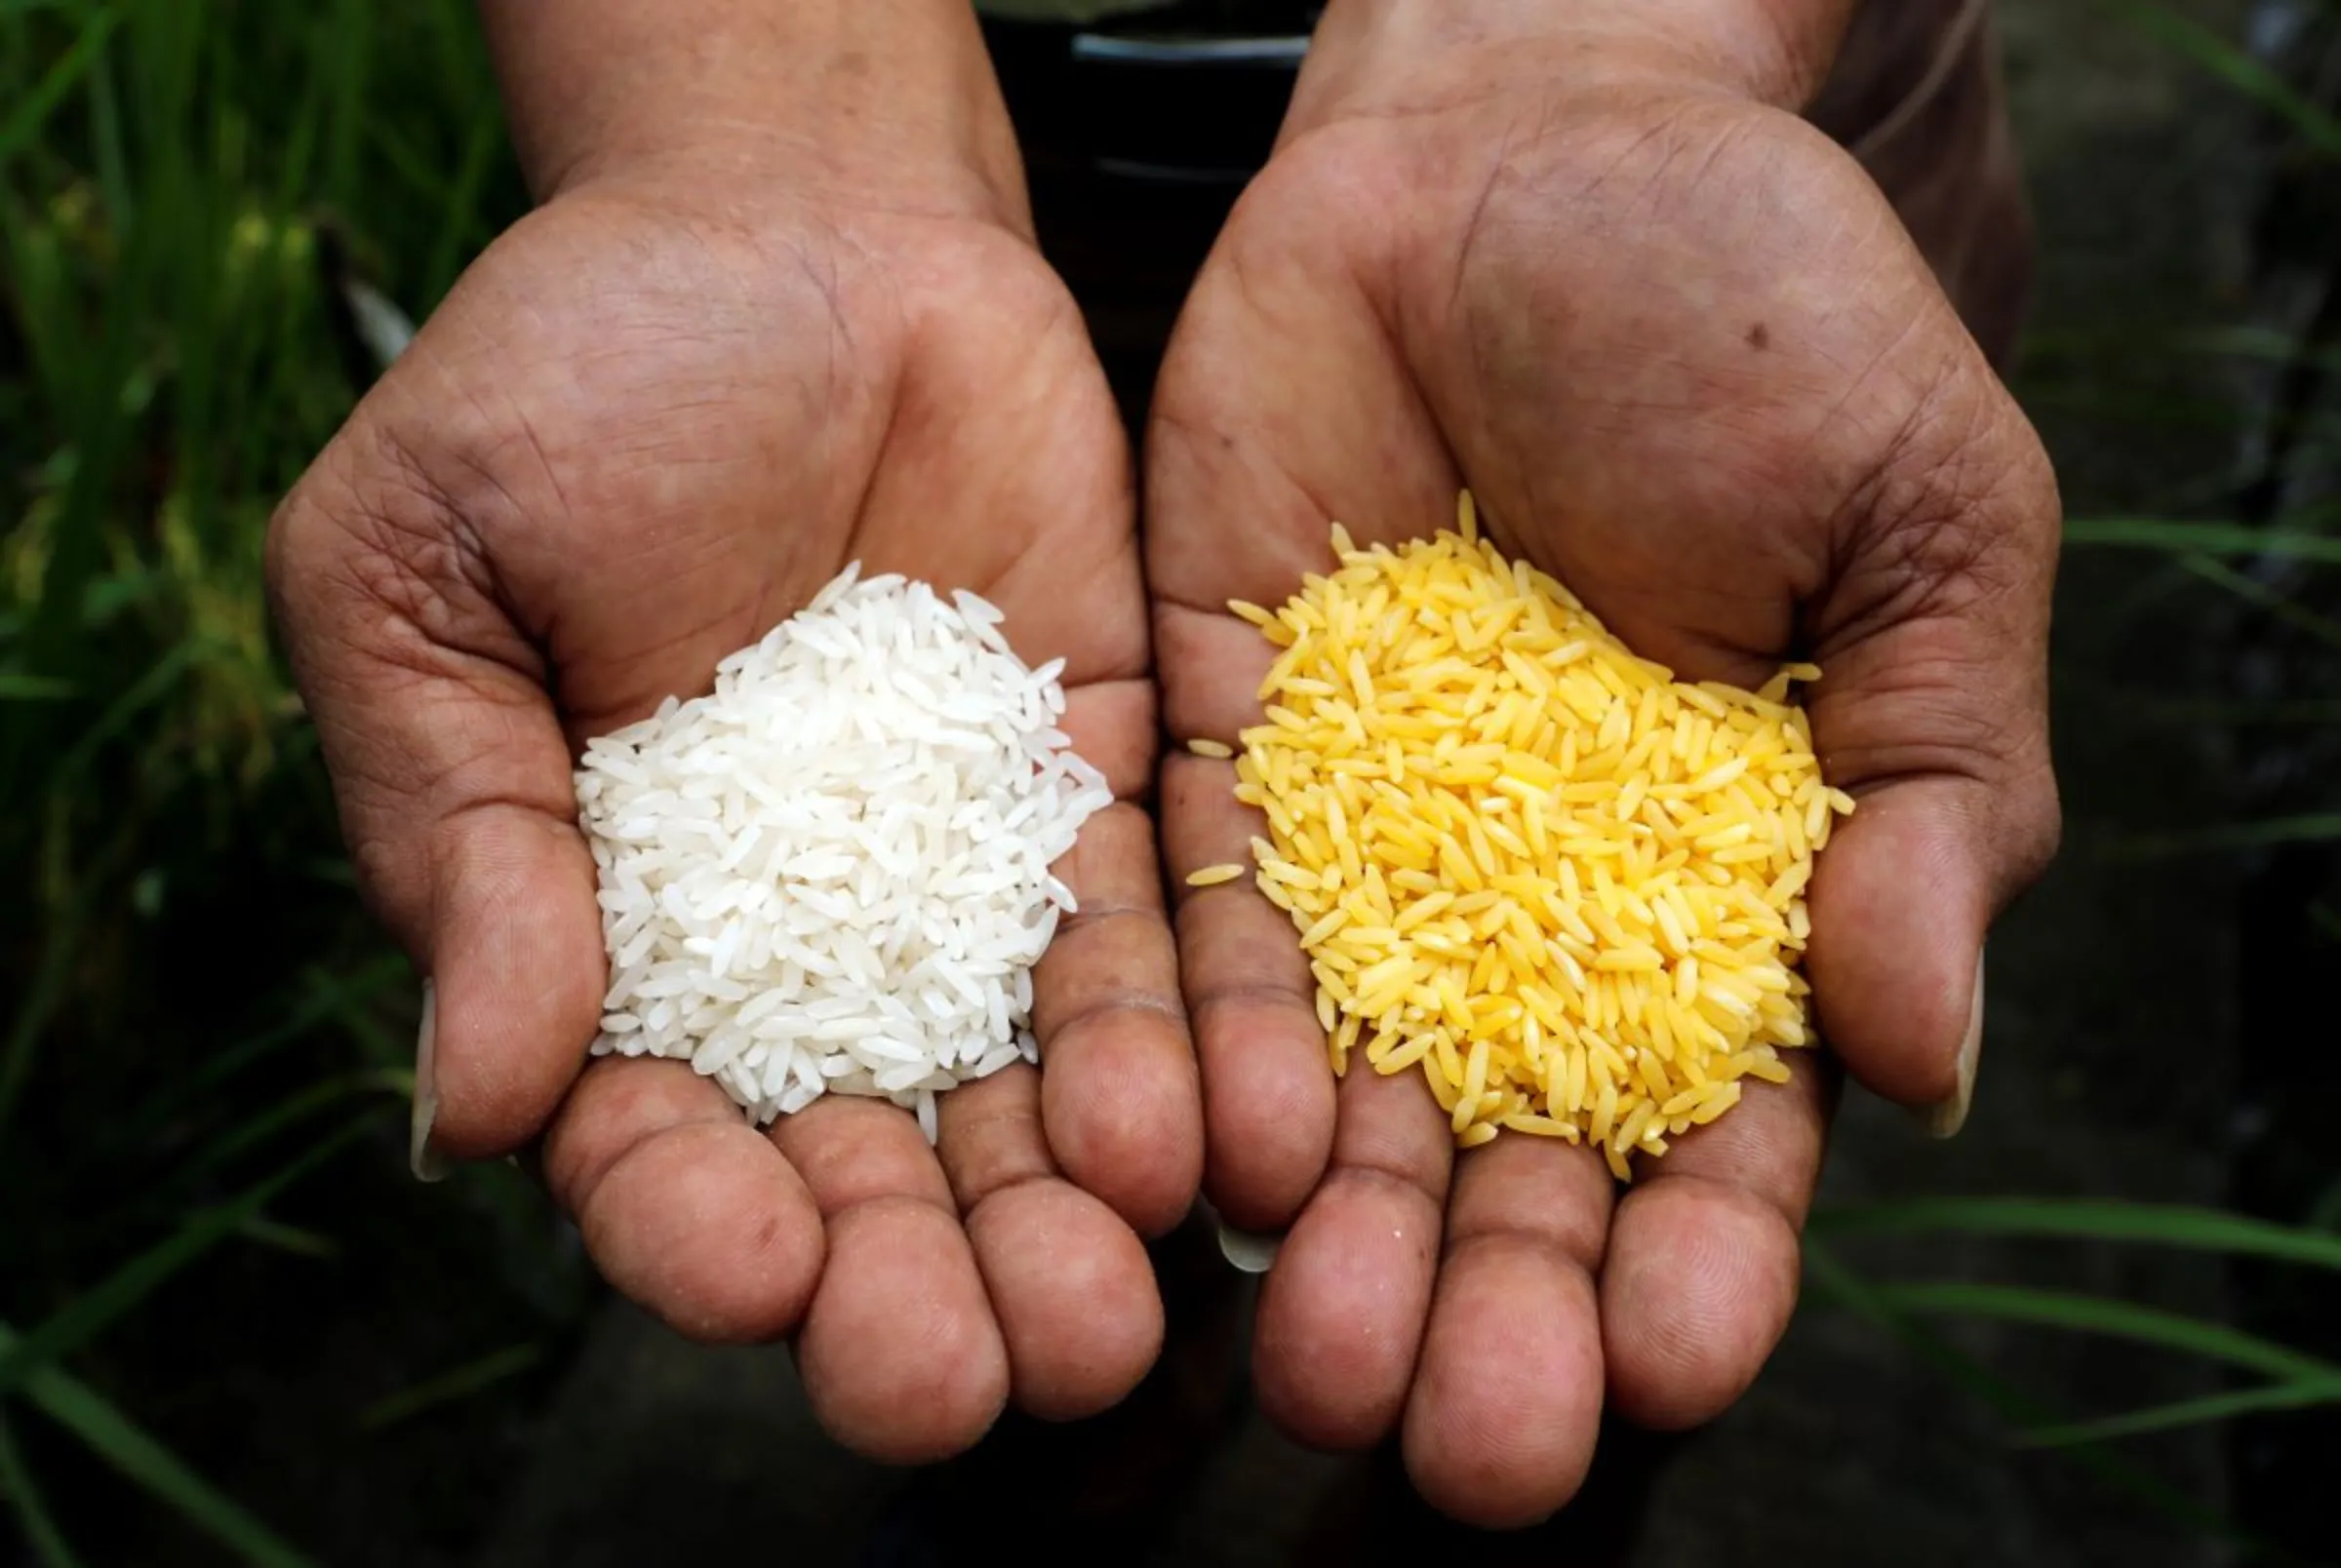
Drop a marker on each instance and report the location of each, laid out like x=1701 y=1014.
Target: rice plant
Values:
x=2261 y=543
x=202 y=1046
x=199 y=1028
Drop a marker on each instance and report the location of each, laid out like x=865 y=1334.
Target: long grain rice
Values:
x=830 y=874
x=1564 y=884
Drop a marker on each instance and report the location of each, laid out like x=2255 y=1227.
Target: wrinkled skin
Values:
x=1687 y=359
x=649 y=423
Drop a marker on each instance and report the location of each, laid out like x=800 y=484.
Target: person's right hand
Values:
x=1584 y=260
x=723 y=359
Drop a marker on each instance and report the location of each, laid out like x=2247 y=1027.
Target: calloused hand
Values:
x=647 y=424
x=1678 y=345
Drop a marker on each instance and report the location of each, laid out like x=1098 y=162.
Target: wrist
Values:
x=1394 y=56
x=886 y=102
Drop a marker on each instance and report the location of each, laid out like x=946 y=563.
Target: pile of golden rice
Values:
x=1565 y=884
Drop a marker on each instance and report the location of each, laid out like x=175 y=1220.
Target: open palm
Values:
x=1682 y=352
x=647 y=426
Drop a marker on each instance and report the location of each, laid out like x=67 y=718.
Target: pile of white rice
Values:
x=831 y=875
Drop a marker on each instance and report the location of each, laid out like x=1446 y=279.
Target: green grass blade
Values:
x=458 y=1382
x=294 y=1108
x=2238 y=70
x=2205 y=538
x=2267 y=1396
x=2112 y=1319
x=98 y=1309
x=135 y=1452
x=1835 y=1281
x=160 y=680
x=23 y=122
x=290 y=1239
x=2320 y=827
x=330 y=998
x=105 y=118
x=2202 y=1229
x=32 y=1512
x=2260 y=595
x=15 y=687
x=2226 y=712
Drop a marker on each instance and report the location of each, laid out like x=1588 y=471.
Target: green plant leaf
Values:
x=329 y=997
x=2260 y=595
x=33 y=1511
x=2203 y=1230
x=1835 y=1281
x=160 y=679
x=2320 y=827
x=129 y=1449
x=448 y=1386
x=2216 y=1407
x=293 y=1110
x=2207 y=538
x=2112 y=1319
x=89 y=1315
x=33 y=109
x=2238 y=70
x=15 y=687
x=290 y=1239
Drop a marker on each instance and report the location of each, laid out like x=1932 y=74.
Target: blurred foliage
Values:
x=201 y=1023
x=200 y=1027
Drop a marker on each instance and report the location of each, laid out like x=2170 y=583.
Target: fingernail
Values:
x=1248 y=1250
x=1945 y=1120
x=428 y=1164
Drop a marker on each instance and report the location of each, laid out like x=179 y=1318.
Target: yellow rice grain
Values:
x=1565 y=886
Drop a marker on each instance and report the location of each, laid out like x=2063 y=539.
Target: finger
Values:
x=1120 y=1094
x=684 y=1207
x=1507 y=1402
x=1267 y=1082
x=901 y=1358
x=1341 y=1312
x=1069 y=1281
x=1702 y=1273
x=1933 y=714
x=1247 y=467
x=453 y=778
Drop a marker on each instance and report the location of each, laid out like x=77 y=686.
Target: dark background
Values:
x=232 y=1328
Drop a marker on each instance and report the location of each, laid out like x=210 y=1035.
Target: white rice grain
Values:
x=832 y=873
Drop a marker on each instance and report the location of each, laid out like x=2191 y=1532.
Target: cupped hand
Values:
x=647 y=424
x=1677 y=344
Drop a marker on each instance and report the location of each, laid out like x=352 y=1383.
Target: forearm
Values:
x=1775 y=51
x=892 y=98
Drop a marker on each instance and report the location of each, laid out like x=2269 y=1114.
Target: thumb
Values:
x=453 y=779
x=1932 y=712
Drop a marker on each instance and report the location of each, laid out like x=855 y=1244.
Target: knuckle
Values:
x=374 y=558
x=1958 y=516
x=367 y=524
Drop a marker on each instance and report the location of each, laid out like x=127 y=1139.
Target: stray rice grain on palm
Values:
x=1566 y=885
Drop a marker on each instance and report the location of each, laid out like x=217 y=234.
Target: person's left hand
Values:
x=804 y=328
x=1686 y=356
